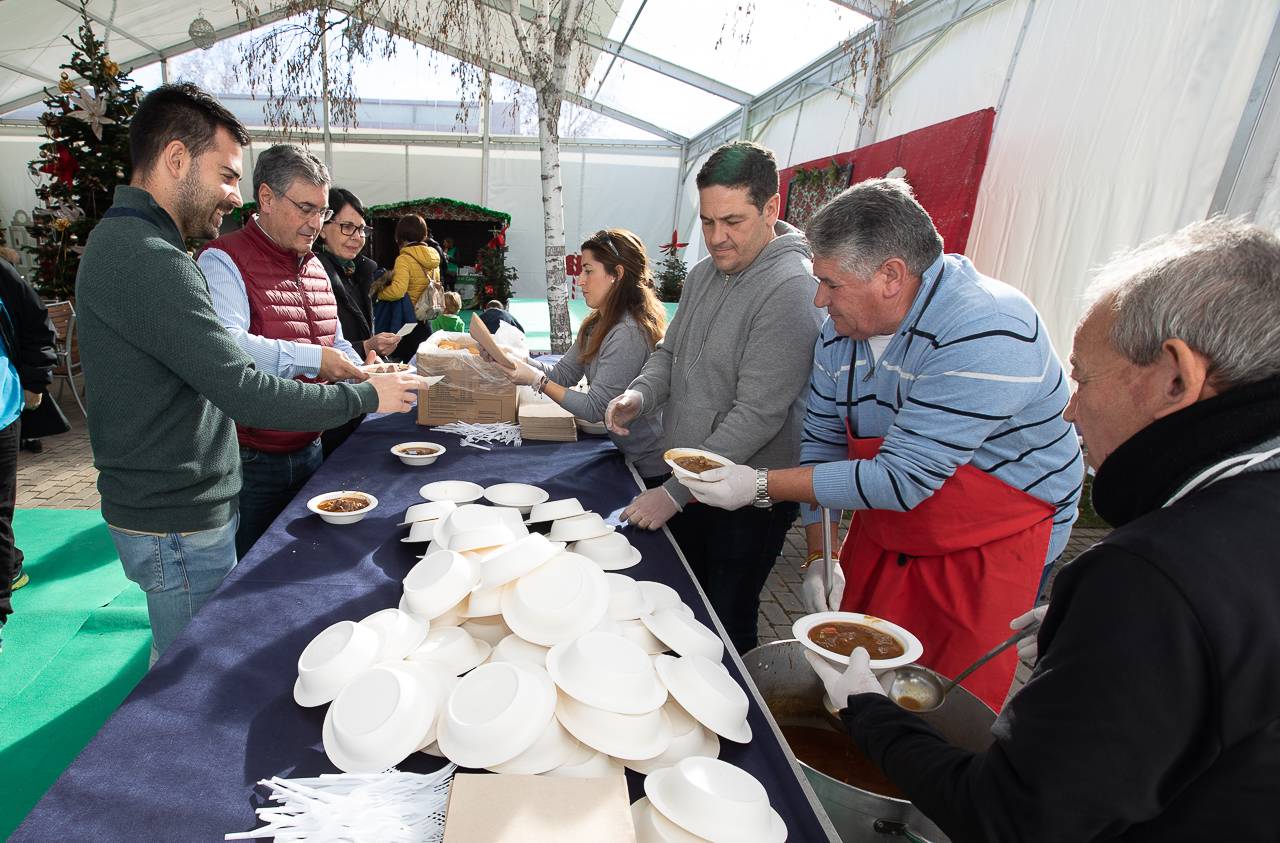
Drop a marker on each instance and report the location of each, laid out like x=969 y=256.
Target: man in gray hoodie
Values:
x=730 y=376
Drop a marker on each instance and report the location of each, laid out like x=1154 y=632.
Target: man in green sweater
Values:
x=164 y=380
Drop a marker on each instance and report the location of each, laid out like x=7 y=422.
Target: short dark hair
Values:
x=742 y=164
x=179 y=112
x=410 y=228
x=340 y=197
x=494 y=303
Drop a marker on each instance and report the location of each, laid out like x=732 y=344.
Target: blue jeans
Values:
x=269 y=482
x=178 y=572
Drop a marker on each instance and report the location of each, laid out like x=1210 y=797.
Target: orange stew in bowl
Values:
x=844 y=637
x=417 y=452
x=346 y=503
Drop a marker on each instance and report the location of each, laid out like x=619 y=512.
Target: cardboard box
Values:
x=472 y=390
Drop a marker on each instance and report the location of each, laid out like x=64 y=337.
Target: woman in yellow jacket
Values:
x=416 y=273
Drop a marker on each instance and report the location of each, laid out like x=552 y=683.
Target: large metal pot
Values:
x=794 y=693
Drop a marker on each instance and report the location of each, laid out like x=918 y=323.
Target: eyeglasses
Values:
x=308 y=210
x=350 y=229
x=605 y=238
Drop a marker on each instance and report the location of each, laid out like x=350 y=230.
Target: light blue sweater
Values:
x=970 y=377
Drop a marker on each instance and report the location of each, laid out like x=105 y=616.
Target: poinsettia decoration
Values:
x=63 y=166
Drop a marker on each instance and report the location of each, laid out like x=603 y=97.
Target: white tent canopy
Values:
x=1115 y=121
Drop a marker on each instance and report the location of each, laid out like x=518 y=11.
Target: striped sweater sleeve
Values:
x=965 y=390
x=823 y=440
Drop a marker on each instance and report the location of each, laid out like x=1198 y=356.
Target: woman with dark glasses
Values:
x=612 y=345
x=339 y=244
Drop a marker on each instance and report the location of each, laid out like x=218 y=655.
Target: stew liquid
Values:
x=350 y=503
x=843 y=637
x=836 y=755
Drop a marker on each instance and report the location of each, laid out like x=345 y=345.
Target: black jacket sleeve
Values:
x=33 y=336
x=1116 y=719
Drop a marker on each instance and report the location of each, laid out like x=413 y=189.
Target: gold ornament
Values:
x=61 y=223
x=110 y=68
x=65 y=85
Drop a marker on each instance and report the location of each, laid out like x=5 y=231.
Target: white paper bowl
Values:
x=513 y=648
x=709 y=693
x=612 y=551
x=563 y=598
x=429 y=511
x=606 y=671
x=552 y=510
x=421 y=532
x=452 y=648
x=520 y=496
x=663 y=596
x=697 y=741
x=458 y=491
x=914 y=649
x=418 y=460
x=438 y=582
x=399 y=632
x=626 y=600
x=637 y=633
x=490 y=629
x=381 y=717
x=483 y=602
x=670 y=457
x=495 y=713
x=342 y=517
x=588 y=525
x=451 y=617
x=597 y=765
x=652 y=827
x=714 y=799
x=684 y=634
x=554 y=747
x=521 y=557
x=622 y=736
x=335 y=656
x=481 y=541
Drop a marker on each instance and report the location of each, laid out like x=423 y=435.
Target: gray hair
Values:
x=1215 y=285
x=873 y=221
x=283 y=164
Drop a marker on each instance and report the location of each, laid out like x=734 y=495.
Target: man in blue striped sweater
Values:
x=935 y=412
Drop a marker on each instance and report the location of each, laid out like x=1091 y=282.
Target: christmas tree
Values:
x=496 y=276
x=672 y=270
x=87 y=123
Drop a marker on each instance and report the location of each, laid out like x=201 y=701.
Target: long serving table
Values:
x=180 y=758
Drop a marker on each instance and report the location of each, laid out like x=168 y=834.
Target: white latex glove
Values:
x=856 y=679
x=727 y=487
x=651 y=509
x=1029 y=647
x=811 y=588
x=622 y=411
x=522 y=373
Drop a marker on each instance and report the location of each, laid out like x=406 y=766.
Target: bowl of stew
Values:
x=834 y=635
x=417 y=453
x=692 y=462
x=345 y=507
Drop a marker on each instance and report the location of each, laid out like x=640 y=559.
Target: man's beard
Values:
x=196 y=207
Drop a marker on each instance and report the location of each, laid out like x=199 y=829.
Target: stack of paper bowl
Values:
x=382 y=716
x=610 y=551
x=495 y=713
x=422 y=518
x=714 y=800
x=563 y=598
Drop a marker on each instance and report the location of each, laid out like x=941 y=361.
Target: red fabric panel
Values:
x=944 y=164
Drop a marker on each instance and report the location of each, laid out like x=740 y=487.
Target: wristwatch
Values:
x=762 y=499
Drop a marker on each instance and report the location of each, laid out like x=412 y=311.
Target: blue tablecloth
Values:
x=180 y=758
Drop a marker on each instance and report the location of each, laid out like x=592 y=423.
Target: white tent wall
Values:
x=17 y=190
x=1115 y=126
x=629 y=189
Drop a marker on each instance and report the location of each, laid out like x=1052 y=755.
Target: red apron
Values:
x=954 y=570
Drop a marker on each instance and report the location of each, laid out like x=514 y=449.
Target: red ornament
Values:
x=64 y=167
x=670 y=248
x=573 y=265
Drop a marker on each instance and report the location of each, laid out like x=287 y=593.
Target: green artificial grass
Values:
x=77 y=643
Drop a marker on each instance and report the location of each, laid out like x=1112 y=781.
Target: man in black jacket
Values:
x=1154 y=710
x=26 y=353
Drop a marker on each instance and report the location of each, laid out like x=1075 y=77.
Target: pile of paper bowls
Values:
x=526 y=653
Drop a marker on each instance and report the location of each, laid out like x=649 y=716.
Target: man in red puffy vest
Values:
x=272 y=294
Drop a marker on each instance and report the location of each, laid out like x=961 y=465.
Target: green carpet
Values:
x=77 y=643
x=535 y=318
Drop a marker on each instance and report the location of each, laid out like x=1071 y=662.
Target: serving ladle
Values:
x=919 y=689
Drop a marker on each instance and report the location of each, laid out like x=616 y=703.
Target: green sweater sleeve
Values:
x=191 y=343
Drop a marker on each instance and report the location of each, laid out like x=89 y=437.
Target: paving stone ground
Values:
x=63 y=477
